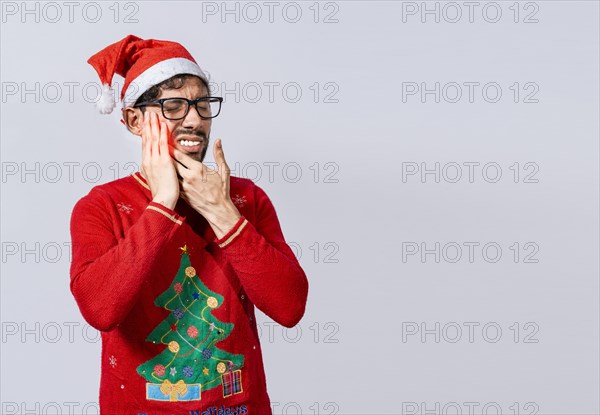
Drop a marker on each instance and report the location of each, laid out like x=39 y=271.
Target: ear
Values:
x=133 y=118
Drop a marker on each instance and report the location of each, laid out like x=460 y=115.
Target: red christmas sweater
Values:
x=175 y=304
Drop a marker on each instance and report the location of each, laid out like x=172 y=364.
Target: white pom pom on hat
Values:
x=143 y=63
x=106 y=103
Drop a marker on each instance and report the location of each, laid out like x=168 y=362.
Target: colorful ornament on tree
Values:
x=159 y=370
x=212 y=302
x=221 y=367
x=192 y=331
x=188 y=372
x=174 y=346
x=178 y=313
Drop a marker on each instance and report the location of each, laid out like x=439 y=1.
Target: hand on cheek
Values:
x=157 y=164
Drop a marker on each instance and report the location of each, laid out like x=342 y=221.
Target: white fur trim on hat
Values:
x=156 y=74
x=106 y=103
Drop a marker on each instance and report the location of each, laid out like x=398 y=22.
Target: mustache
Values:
x=197 y=133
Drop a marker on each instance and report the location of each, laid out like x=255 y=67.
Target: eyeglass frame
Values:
x=189 y=102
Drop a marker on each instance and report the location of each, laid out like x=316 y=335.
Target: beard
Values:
x=196 y=153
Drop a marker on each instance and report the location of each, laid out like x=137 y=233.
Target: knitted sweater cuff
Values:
x=169 y=213
x=233 y=233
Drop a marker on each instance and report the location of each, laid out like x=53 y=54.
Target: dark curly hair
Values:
x=174 y=82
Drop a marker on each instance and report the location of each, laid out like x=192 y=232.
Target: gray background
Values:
x=355 y=351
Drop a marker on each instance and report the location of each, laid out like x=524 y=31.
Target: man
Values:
x=166 y=265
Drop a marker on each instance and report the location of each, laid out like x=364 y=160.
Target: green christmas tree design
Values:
x=191 y=362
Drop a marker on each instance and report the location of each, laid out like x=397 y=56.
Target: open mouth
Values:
x=191 y=146
x=189 y=143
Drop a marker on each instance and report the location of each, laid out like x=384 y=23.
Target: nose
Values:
x=193 y=119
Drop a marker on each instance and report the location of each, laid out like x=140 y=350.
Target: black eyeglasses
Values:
x=178 y=108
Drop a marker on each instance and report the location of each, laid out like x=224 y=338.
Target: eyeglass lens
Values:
x=176 y=108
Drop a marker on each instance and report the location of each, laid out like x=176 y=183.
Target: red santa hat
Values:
x=143 y=63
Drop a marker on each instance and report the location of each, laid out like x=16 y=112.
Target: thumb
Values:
x=219 y=155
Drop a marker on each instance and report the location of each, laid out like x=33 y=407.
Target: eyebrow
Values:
x=180 y=97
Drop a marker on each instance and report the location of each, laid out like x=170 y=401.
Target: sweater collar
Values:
x=140 y=179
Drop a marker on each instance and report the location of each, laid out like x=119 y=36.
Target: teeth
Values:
x=189 y=143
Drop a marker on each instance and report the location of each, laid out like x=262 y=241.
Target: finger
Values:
x=154 y=133
x=143 y=135
x=219 y=155
x=186 y=160
x=147 y=134
x=179 y=176
x=171 y=147
x=164 y=133
x=184 y=172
